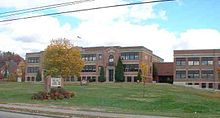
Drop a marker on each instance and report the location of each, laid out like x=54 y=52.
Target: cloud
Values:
x=104 y=27
x=199 y=39
x=32 y=35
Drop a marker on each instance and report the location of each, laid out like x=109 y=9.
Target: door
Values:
x=111 y=74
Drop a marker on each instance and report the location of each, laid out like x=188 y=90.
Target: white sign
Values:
x=55 y=82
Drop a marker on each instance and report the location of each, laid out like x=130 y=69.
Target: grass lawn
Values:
x=165 y=100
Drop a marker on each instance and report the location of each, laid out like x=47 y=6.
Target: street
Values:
x=18 y=115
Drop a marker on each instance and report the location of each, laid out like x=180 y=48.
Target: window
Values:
x=130 y=56
x=129 y=79
x=207 y=60
x=131 y=67
x=180 y=74
x=100 y=56
x=207 y=74
x=32 y=69
x=111 y=60
x=79 y=79
x=89 y=68
x=219 y=61
x=196 y=84
x=88 y=57
x=28 y=79
x=180 y=61
x=135 y=79
x=193 y=74
x=203 y=85
x=193 y=61
x=210 y=85
x=33 y=59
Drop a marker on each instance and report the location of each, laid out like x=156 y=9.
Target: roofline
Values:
x=197 y=50
x=117 y=47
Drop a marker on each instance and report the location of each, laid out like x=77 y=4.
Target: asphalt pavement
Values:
x=43 y=111
x=4 y=114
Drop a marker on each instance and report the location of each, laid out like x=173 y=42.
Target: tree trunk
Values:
x=144 y=85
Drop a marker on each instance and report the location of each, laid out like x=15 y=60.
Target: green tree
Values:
x=102 y=75
x=139 y=78
x=38 y=76
x=62 y=59
x=154 y=72
x=119 y=71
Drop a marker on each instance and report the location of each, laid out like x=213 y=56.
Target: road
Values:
x=4 y=114
x=65 y=111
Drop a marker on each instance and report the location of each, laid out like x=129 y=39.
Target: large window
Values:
x=219 y=61
x=33 y=59
x=180 y=74
x=207 y=60
x=193 y=74
x=100 y=56
x=111 y=60
x=89 y=57
x=89 y=68
x=207 y=74
x=131 y=67
x=193 y=61
x=180 y=61
x=130 y=56
x=32 y=69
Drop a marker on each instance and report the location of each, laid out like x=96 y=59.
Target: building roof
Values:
x=119 y=47
x=197 y=51
x=164 y=68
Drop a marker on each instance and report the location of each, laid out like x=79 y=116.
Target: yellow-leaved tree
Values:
x=144 y=74
x=62 y=59
x=21 y=70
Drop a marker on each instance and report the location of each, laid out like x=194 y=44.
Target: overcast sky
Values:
x=160 y=27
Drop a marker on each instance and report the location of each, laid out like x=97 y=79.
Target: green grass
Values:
x=165 y=100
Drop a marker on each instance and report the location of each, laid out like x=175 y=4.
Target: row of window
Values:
x=130 y=56
x=195 y=74
x=32 y=69
x=203 y=85
x=124 y=56
x=127 y=68
x=33 y=59
x=88 y=57
x=89 y=68
x=194 y=61
x=131 y=67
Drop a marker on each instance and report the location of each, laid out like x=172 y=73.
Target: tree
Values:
x=155 y=72
x=62 y=59
x=119 y=71
x=38 y=76
x=21 y=70
x=139 y=78
x=6 y=72
x=102 y=75
x=12 y=77
x=144 y=71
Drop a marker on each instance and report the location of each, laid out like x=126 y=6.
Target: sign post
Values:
x=50 y=82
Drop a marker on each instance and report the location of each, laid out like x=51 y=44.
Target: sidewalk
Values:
x=69 y=112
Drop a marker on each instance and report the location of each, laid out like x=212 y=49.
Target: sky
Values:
x=160 y=27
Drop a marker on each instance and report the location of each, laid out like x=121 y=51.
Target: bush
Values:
x=54 y=94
